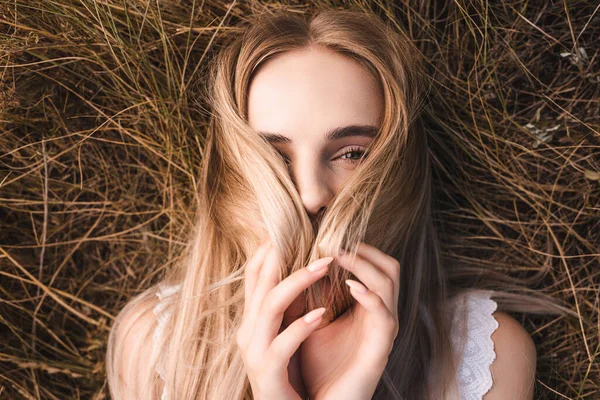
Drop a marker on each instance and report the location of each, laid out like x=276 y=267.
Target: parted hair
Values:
x=246 y=195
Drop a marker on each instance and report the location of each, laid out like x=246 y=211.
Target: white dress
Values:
x=474 y=377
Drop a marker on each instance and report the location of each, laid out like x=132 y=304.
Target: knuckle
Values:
x=271 y=303
x=389 y=281
x=383 y=309
x=391 y=324
x=252 y=268
x=346 y=262
x=395 y=327
x=275 y=353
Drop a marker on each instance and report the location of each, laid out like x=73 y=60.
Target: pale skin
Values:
x=302 y=95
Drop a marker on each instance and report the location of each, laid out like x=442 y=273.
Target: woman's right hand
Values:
x=265 y=351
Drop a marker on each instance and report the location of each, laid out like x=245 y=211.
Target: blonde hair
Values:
x=247 y=195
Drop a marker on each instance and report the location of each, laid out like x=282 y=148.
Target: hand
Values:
x=345 y=359
x=266 y=352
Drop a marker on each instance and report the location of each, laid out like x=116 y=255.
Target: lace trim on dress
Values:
x=474 y=375
x=164 y=293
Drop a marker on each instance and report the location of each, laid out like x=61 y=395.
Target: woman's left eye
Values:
x=355 y=150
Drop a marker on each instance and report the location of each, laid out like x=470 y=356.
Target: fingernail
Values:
x=356 y=286
x=314 y=315
x=319 y=264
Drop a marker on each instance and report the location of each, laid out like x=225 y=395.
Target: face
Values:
x=320 y=110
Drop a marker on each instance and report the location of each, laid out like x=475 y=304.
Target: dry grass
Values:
x=101 y=135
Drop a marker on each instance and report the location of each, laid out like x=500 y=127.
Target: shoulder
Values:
x=499 y=357
x=136 y=321
x=513 y=369
x=130 y=349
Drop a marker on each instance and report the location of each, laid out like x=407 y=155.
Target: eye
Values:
x=285 y=159
x=356 y=151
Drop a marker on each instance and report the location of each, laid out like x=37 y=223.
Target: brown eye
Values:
x=353 y=151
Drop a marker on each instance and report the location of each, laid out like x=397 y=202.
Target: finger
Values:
x=280 y=297
x=287 y=342
x=383 y=323
x=387 y=263
x=384 y=261
x=251 y=273
x=267 y=279
x=371 y=277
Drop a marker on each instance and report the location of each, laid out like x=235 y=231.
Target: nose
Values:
x=314 y=209
x=315 y=190
x=315 y=197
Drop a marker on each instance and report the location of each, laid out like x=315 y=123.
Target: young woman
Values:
x=314 y=146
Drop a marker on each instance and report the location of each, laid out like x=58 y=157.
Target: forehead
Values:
x=312 y=90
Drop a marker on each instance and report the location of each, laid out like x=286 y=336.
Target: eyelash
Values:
x=353 y=150
x=345 y=160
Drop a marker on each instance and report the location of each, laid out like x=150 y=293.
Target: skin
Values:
x=314 y=90
x=301 y=95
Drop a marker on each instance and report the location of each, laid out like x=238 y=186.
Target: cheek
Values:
x=339 y=179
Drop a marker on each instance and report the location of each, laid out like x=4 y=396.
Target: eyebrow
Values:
x=333 y=134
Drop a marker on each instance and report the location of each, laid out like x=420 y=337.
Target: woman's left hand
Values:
x=345 y=360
